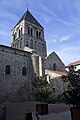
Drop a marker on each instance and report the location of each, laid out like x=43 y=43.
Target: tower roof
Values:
x=29 y=17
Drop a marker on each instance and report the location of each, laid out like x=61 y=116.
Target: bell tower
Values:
x=30 y=34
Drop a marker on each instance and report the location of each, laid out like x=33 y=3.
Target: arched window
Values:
x=28 y=30
x=37 y=34
x=31 y=32
x=53 y=90
x=13 y=36
x=7 y=69
x=24 y=71
x=21 y=31
x=54 y=66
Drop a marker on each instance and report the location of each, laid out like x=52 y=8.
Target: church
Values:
x=26 y=58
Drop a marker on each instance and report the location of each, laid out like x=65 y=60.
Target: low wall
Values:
x=16 y=111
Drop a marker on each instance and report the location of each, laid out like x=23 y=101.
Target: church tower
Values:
x=30 y=34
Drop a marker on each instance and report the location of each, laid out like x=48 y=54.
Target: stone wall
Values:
x=55 y=82
x=29 y=40
x=13 y=85
x=53 y=62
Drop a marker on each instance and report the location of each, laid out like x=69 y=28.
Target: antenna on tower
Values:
x=27 y=5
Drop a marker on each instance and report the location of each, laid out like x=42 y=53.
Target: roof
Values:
x=74 y=63
x=29 y=17
x=58 y=72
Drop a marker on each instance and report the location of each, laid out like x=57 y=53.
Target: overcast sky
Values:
x=60 y=19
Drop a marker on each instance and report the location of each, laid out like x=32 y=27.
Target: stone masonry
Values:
x=25 y=59
x=53 y=62
x=29 y=33
x=10 y=83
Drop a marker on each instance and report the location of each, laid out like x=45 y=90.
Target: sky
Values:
x=60 y=19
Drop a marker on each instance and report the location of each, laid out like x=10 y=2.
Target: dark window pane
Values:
x=19 y=33
x=7 y=69
x=54 y=66
x=27 y=45
x=24 y=71
x=31 y=32
x=28 y=31
x=37 y=34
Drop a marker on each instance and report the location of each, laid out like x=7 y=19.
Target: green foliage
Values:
x=40 y=89
x=72 y=93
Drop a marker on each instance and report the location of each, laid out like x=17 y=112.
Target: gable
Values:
x=53 y=62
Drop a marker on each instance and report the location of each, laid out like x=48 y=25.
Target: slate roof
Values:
x=29 y=17
x=74 y=63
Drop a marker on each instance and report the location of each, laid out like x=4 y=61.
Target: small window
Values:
x=31 y=32
x=24 y=71
x=27 y=45
x=19 y=32
x=7 y=69
x=37 y=34
x=53 y=90
x=14 y=37
x=28 y=31
x=54 y=66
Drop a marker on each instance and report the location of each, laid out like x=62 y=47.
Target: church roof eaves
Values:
x=28 y=17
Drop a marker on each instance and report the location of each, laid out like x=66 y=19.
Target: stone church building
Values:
x=25 y=59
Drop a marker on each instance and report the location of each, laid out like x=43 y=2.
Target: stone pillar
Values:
x=41 y=66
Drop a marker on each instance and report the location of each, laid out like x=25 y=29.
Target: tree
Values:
x=72 y=94
x=40 y=89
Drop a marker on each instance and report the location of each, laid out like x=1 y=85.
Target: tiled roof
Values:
x=28 y=17
x=58 y=72
x=74 y=63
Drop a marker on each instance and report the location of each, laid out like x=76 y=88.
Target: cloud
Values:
x=64 y=38
x=51 y=15
x=57 y=38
